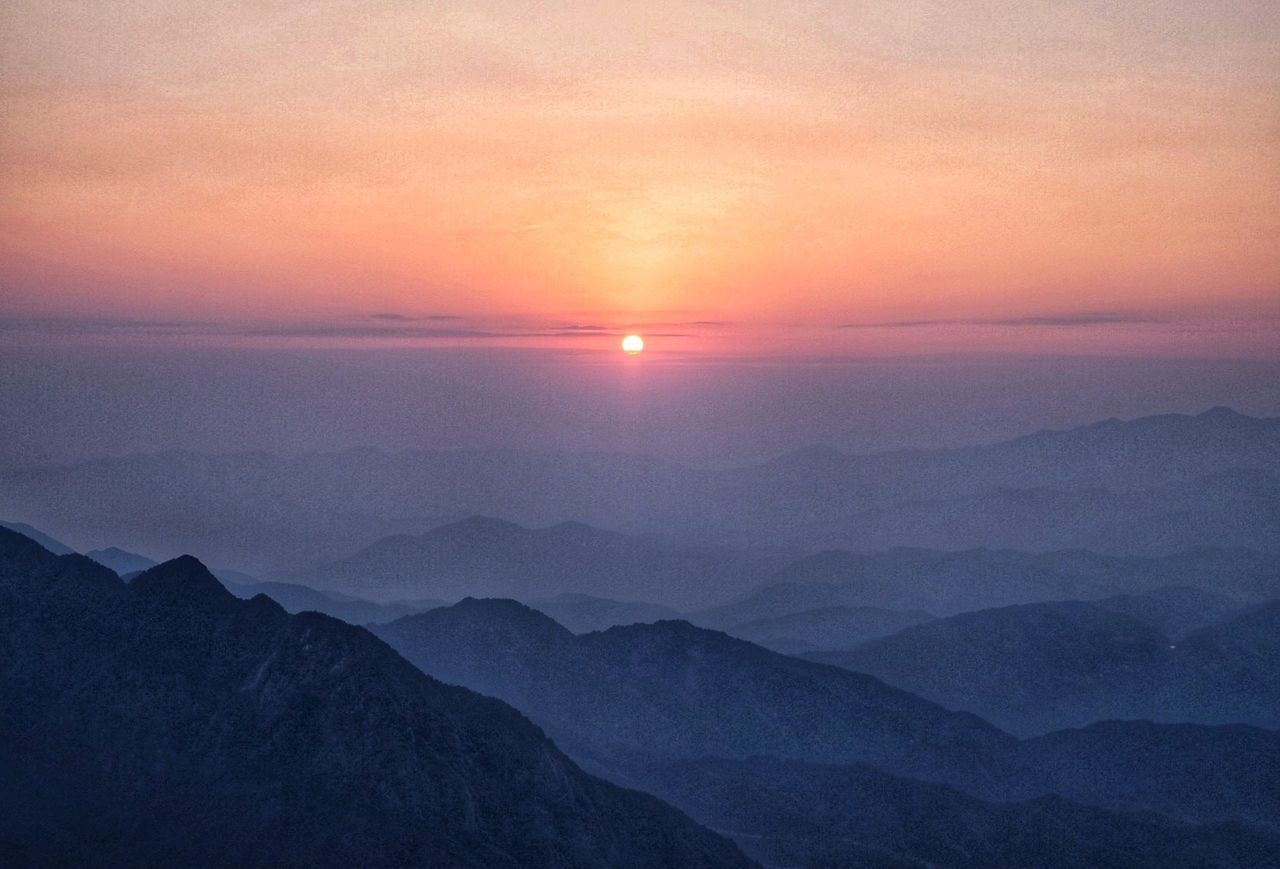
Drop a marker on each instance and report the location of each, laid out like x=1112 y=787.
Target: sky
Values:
x=61 y=404
x=761 y=179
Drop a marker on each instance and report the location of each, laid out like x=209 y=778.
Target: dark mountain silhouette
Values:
x=788 y=813
x=166 y=722
x=293 y=597
x=954 y=582
x=121 y=561
x=1039 y=667
x=583 y=613
x=57 y=547
x=679 y=692
x=826 y=628
x=492 y=557
x=1150 y=486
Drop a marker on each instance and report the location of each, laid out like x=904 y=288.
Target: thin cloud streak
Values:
x=1087 y=318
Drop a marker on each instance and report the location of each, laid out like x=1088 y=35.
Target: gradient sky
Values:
x=761 y=177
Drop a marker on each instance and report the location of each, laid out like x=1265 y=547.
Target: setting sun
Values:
x=632 y=344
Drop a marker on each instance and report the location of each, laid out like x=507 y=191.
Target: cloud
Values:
x=405 y=318
x=339 y=330
x=1085 y=318
x=388 y=326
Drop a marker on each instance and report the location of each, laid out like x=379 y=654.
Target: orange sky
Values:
x=1092 y=175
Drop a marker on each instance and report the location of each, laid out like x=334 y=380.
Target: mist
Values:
x=69 y=403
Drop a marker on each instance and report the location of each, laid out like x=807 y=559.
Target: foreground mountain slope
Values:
x=1041 y=667
x=165 y=722
x=57 y=547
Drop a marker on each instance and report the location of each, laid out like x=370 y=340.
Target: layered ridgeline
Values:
x=485 y=556
x=793 y=813
x=166 y=722
x=490 y=557
x=648 y=705
x=293 y=597
x=1041 y=667
x=1155 y=485
x=946 y=583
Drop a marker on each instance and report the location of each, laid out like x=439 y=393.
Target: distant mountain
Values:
x=1228 y=671
x=1030 y=668
x=826 y=628
x=1173 y=610
x=1150 y=486
x=677 y=692
x=57 y=547
x=353 y=610
x=673 y=685
x=583 y=613
x=788 y=813
x=165 y=722
x=121 y=561
x=1039 y=667
x=954 y=582
x=484 y=556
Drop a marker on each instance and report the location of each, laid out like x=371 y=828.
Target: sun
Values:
x=632 y=344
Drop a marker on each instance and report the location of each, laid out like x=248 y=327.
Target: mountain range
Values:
x=1039 y=667
x=487 y=556
x=791 y=813
x=166 y=722
x=583 y=613
x=677 y=692
x=948 y=583
x=803 y=765
x=825 y=628
x=1150 y=486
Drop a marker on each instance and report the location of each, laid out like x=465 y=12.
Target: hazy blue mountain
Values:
x=583 y=613
x=1229 y=671
x=1149 y=486
x=1039 y=667
x=826 y=628
x=266 y=514
x=357 y=611
x=57 y=547
x=788 y=813
x=691 y=691
x=120 y=560
x=1029 y=668
x=679 y=692
x=484 y=556
x=948 y=583
x=1174 y=610
x=166 y=722
x=1190 y=772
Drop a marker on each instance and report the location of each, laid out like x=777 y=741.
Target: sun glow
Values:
x=632 y=344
